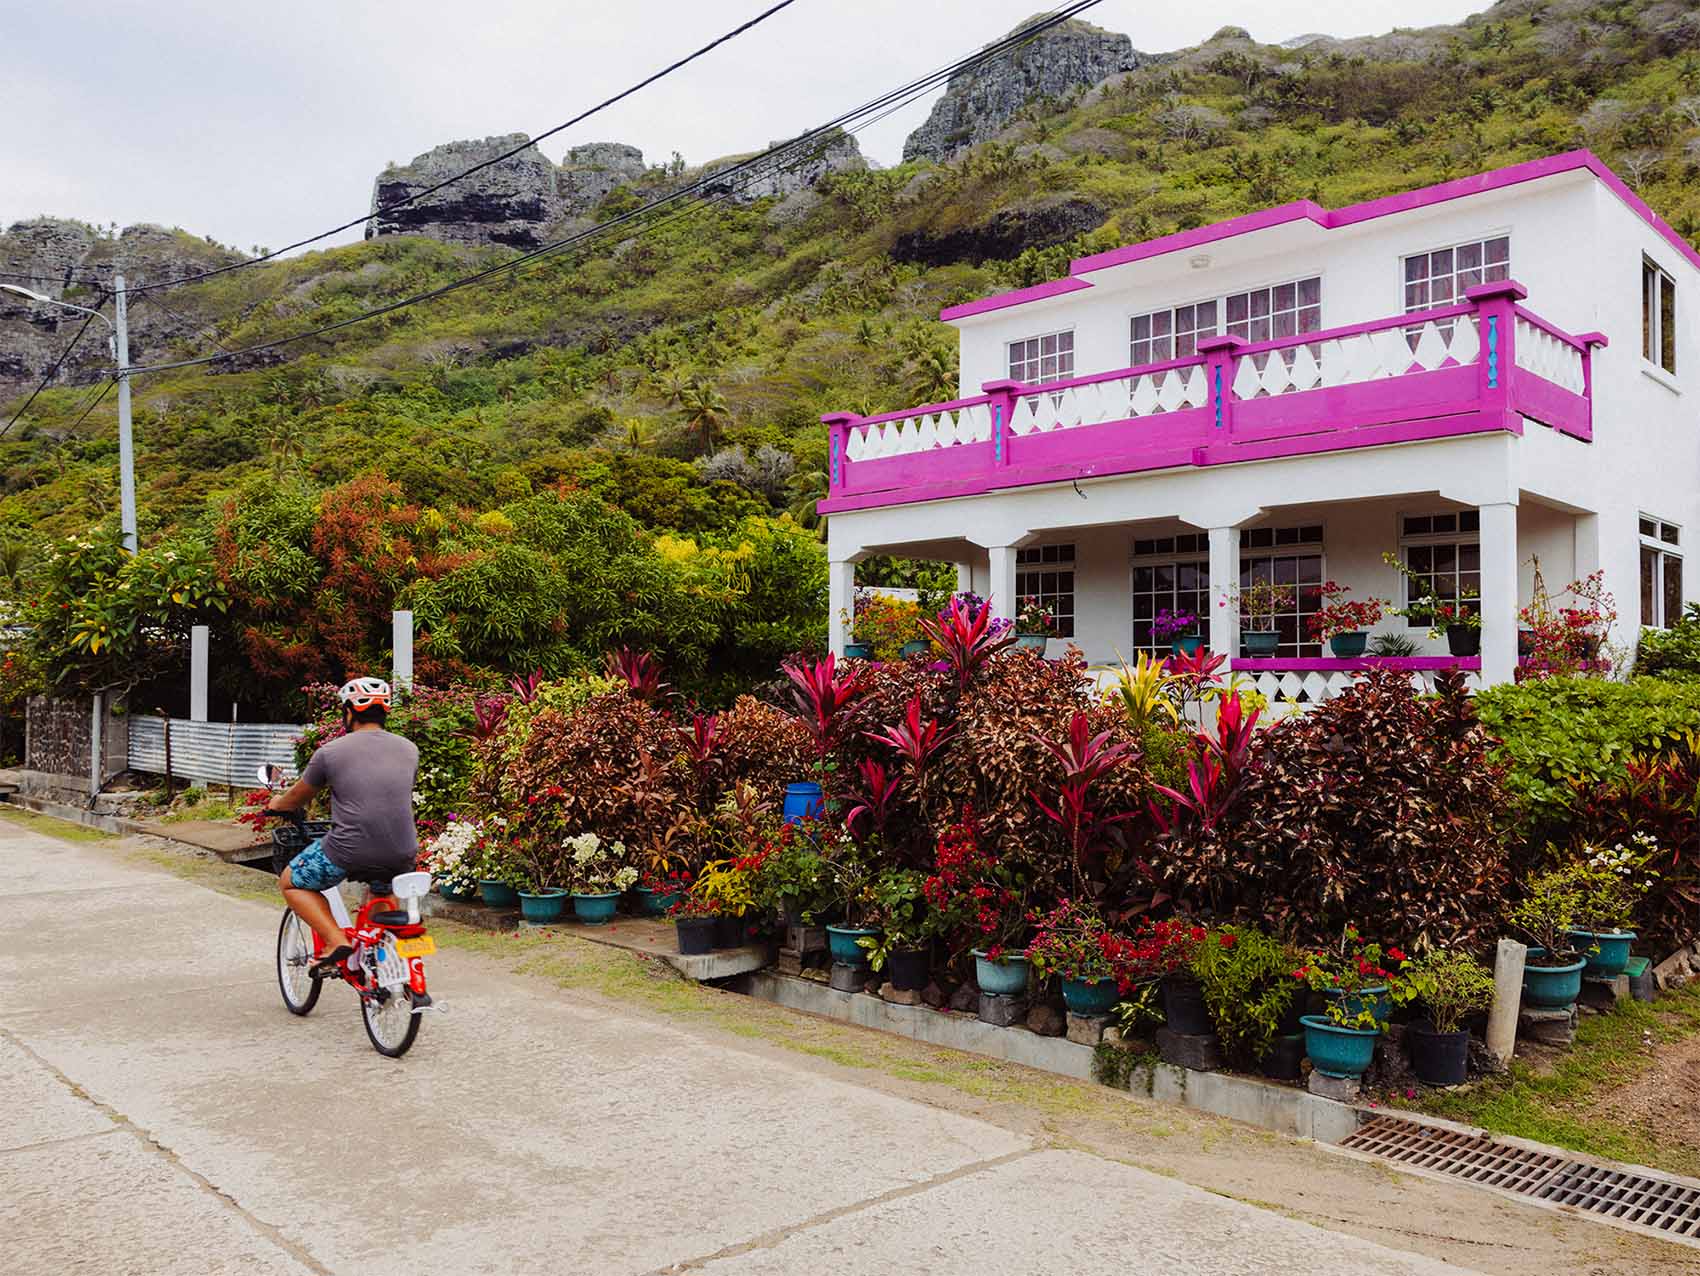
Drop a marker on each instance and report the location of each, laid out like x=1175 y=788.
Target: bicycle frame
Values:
x=362 y=931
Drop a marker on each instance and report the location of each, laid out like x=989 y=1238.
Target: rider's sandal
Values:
x=330 y=963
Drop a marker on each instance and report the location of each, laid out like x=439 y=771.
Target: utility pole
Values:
x=126 y=452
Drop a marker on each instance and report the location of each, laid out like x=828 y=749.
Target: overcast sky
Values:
x=261 y=123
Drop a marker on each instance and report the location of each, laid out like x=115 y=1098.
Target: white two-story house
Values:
x=1470 y=376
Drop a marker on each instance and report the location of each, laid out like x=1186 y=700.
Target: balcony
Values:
x=1484 y=365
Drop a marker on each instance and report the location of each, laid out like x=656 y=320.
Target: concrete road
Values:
x=161 y=1113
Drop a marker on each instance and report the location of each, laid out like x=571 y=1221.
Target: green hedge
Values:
x=1673 y=652
x=1566 y=730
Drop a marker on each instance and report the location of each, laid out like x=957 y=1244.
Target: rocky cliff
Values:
x=74 y=261
x=979 y=101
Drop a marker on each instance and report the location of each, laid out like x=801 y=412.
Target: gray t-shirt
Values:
x=370 y=775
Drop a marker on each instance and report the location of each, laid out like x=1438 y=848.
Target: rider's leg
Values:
x=314 y=909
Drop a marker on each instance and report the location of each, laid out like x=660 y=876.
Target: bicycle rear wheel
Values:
x=294 y=954
x=390 y=1022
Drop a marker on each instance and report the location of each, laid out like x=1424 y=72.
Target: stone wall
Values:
x=59 y=733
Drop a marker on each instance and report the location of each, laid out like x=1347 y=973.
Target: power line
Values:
x=705 y=185
x=48 y=375
x=497 y=159
x=100 y=398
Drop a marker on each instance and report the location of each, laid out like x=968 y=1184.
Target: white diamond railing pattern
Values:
x=1359 y=357
x=1311 y=687
x=1546 y=356
x=920 y=432
x=1137 y=394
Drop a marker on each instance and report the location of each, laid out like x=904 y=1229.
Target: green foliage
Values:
x=1452 y=986
x=1547 y=912
x=1248 y=984
x=1560 y=735
x=1673 y=652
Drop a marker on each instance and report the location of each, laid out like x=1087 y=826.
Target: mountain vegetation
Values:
x=665 y=391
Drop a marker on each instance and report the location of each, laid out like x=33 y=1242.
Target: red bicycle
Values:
x=388 y=936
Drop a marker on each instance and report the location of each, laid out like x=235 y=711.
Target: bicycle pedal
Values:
x=422 y=1002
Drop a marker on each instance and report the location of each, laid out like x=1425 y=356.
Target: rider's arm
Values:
x=293 y=798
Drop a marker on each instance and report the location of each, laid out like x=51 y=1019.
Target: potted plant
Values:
x=1613 y=879
x=1259 y=606
x=540 y=900
x=1339 y=1043
x=1034 y=625
x=694 y=923
x=1096 y=966
x=452 y=857
x=657 y=894
x=979 y=900
x=901 y=942
x=1343 y=623
x=793 y=881
x=1552 y=970
x=499 y=874
x=1452 y=986
x=596 y=876
x=856 y=647
x=849 y=898
x=1165 y=949
x=1177 y=628
x=1359 y=975
x=1254 y=1004
x=1459 y=619
x=729 y=885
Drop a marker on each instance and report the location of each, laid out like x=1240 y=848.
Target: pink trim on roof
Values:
x=1332 y=219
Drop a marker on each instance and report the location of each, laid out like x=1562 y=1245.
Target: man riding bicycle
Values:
x=371 y=774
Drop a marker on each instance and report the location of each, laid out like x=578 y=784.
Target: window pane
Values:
x=1469 y=256
x=1286 y=296
x=1416 y=296
x=1310 y=319
x=1416 y=268
x=1310 y=292
x=1649 y=527
x=1667 y=324
x=1668 y=533
x=1207 y=316
x=1260 y=303
x=1238 y=307
x=1649 y=287
x=1649 y=586
x=1673 y=590
x=1470 y=521
x=1440 y=263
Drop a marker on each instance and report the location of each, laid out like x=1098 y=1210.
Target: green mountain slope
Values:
x=739 y=326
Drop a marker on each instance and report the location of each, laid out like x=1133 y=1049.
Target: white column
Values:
x=1224 y=619
x=97 y=740
x=199 y=655
x=964 y=578
x=401 y=647
x=1507 y=998
x=1000 y=591
x=1499 y=593
x=841 y=597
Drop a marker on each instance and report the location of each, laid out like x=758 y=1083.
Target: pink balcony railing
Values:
x=1482 y=365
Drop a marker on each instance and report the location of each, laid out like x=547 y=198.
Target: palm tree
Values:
x=14 y=558
x=703 y=407
x=807 y=487
x=932 y=375
x=286 y=441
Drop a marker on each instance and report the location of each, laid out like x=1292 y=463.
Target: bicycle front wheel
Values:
x=390 y=1022
x=294 y=954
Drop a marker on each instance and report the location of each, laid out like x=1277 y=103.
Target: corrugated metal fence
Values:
x=212 y=752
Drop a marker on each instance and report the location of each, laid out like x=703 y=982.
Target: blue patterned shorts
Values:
x=312 y=870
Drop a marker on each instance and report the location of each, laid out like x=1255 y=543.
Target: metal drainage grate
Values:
x=1641 y=1200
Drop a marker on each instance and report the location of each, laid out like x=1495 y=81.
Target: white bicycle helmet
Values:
x=363 y=693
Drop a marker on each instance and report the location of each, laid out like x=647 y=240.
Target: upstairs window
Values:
x=1046 y=572
x=1038 y=360
x=1661 y=572
x=1658 y=317
x=1439 y=278
x=1281 y=310
x=1171 y=334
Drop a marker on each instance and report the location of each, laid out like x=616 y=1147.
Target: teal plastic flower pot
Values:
x=1374 y=999
x=841 y=942
x=858 y=651
x=1612 y=957
x=1031 y=642
x=1090 y=996
x=803 y=801
x=1187 y=646
x=919 y=647
x=1259 y=642
x=654 y=903
x=1006 y=976
x=548 y=906
x=1338 y=1052
x=595 y=909
x=498 y=894
x=1551 y=987
x=1348 y=646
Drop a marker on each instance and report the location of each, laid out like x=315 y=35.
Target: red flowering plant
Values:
x=1167 y=947
x=1341 y=615
x=1074 y=942
x=1351 y=974
x=1563 y=641
x=976 y=899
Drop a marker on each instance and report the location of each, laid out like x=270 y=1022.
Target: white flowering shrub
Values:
x=597 y=867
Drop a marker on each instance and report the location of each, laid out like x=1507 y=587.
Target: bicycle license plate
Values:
x=422 y=946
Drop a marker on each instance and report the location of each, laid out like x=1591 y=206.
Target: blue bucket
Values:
x=803 y=802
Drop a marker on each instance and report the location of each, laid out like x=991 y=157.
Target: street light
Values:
x=119 y=344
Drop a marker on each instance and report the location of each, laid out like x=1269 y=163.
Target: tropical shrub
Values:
x=1673 y=652
x=1248 y=986
x=1547 y=911
x=1348 y=967
x=979 y=899
x=886 y=623
x=1073 y=941
x=759 y=745
x=1452 y=986
x=1379 y=805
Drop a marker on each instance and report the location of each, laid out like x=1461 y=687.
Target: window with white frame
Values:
x=1260 y=314
x=1170 y=573
x=1290 y=556
x=1440 y=276
x=1658 y=316
x=1661 y=572
x=1444 y=554
x=1037 y=360
x=1046 y=572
